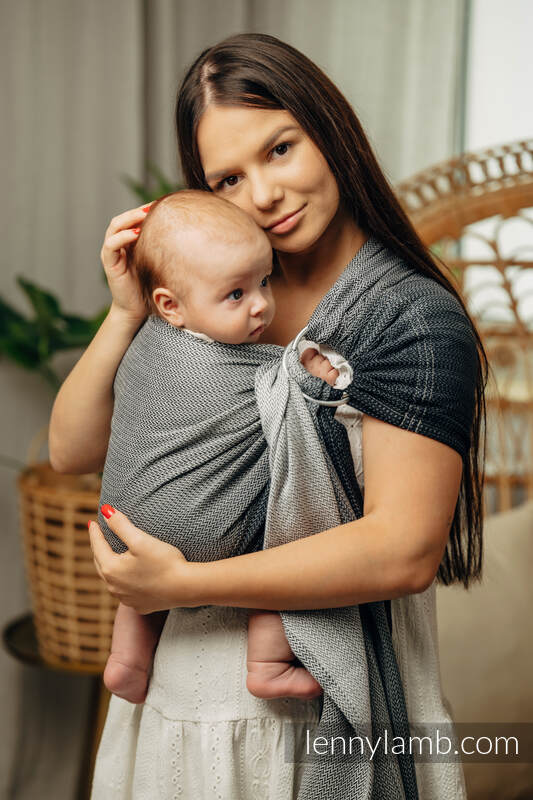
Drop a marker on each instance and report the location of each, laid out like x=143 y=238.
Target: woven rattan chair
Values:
x=476 y=213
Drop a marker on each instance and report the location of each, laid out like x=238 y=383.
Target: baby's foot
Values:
x=273 y=669
x=128 y=681
x=270 y=679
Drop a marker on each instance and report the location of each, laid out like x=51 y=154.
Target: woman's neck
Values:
x=304 y=278
x=319 y=266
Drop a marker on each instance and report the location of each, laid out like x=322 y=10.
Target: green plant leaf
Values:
x=9 y=316
x=138 y=189
x=76 y=331
x=44 y=304
x=20 y=355
x=144 y=191
x=20 y=343
x=51 y=377
x=31 y=343
x=164 y=185
x=99 y=318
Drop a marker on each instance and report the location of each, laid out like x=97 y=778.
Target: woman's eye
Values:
x=281 y=149
x=231 y=181
x=237 y=292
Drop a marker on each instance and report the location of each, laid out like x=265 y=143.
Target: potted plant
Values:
x=73 y=612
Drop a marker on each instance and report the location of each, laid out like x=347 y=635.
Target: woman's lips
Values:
x=288 y=223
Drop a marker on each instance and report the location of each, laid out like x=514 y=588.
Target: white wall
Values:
x=500 y=73
x=499 y=109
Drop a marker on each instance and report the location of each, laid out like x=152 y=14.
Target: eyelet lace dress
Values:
x=200 y=735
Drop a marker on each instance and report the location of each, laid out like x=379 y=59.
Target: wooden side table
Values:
x=21 y=642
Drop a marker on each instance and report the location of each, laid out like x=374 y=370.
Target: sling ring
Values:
x=292 y=346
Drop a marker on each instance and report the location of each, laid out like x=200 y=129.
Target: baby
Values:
x=203 y=265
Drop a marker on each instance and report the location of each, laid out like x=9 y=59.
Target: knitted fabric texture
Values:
x=233 y=458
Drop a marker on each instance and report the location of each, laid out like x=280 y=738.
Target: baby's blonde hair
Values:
x=156 y=264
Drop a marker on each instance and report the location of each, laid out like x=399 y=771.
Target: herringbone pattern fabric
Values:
x=215 y=450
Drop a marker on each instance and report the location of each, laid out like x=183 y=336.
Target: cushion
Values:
x=486 y=647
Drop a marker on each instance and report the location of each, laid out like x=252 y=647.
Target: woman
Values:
x=262 y=126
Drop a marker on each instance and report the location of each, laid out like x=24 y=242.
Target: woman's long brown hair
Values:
x=263 y=72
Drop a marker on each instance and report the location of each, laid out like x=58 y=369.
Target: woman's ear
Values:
x=168 y=306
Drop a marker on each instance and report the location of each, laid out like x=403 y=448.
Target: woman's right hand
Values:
x=123 y=230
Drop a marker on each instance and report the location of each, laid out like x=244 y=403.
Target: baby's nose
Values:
x=259 y=304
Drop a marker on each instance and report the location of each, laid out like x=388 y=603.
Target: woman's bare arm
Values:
x=411 y=488
x=81 y=416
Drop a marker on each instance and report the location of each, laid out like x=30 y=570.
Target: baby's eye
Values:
x=237 y=292
x=265 y=280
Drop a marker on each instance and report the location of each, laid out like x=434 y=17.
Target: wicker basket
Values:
x=73 y=610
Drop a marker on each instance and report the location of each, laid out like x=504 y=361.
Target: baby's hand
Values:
x=319 y=366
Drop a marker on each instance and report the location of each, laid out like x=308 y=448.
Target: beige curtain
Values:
x=88 y=95
x=399 y=64
x=71 y=74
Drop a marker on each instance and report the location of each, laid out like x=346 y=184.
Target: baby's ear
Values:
x=168 y=306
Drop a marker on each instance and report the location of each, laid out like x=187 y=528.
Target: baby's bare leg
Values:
x=135 y=637
x=273 y=670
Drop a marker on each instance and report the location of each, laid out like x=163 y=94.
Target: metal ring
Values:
x=292 y=346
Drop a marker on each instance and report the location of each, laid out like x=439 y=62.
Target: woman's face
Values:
x=261 y=160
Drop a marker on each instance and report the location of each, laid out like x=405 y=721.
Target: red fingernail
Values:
x=107 y=510
x=136 y=230
x=147 y=208
x=89 y=523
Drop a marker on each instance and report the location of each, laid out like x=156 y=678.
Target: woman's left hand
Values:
x=151 y=576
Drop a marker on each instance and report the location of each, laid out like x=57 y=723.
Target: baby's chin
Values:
x=245 y=338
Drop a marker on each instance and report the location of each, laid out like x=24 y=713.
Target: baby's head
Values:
x=204 y=264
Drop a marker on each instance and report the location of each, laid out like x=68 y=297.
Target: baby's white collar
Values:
x=200 y=335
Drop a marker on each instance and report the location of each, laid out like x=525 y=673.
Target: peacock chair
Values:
x=476 y=213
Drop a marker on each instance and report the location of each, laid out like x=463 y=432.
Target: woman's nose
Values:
x=265 y=193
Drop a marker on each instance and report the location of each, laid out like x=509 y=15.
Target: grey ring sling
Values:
x=216 y=449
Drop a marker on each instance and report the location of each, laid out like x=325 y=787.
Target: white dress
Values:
x=200 y=735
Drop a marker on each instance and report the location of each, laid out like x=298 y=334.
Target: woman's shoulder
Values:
x=380 y=294
x=394 y=286
x=418 y=305
x=414 y=352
